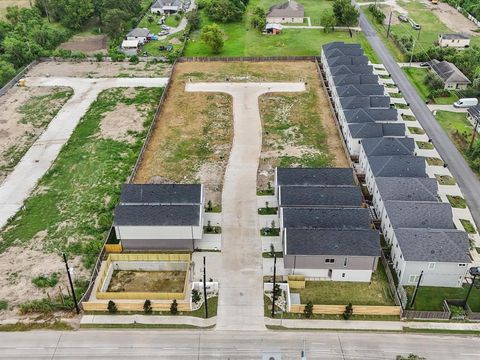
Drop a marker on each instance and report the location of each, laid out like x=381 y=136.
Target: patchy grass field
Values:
x=376 y=292
x=71 y=208
x=149 y=281
x=24 y=117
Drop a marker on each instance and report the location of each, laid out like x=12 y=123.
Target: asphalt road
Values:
x=182 y=344
x=466 y=179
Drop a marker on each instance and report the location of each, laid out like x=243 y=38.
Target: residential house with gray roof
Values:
x=443 y=255
x=355 y=133
x=159 y=217
x=361 y=115
x=140 y=34
x=287 y=12
x=354 y=79
x=384 y=146
x=325 y=218
x=166 y=7
x=320 y=196
x=347 y=60
x=314 y=176
x=451 y=76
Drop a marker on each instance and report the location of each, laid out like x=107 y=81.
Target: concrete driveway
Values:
x=19 y=184
x=240 y=304
x=450 y=108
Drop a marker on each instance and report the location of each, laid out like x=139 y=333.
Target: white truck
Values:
x=466 y=102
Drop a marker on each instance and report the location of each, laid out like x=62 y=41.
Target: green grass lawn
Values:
x=433 y=161
x=468 y=226
x=430 y=298
x=425 y=145
x=445 y=179
x=417 y=77
x=457 y=201
x=74 y=200
x=416 y=130
x=241 y=40
x=342 y=292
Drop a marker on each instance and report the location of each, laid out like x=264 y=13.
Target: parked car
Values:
x=402 y=18
x=416 y=26
x=165 y=27
x=169 y=47
x=424 y=64
x=466 y=102
x=163 y=33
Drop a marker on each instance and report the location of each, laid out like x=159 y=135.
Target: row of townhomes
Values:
x=415 y=223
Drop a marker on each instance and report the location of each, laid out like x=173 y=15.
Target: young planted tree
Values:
x=348 y=311
x=308 y=310
x=345 y=13
x=328 y=21
x=147 y=307
x=174 y=307
x=213 y=37
x=195 y=296
x=112 y=307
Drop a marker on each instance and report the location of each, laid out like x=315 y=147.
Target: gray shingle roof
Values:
x=398 y=166
x=359 y=90
x=407 y=189
x=161 y=193
x=373 y=101
x=326 y=218
x=346 y=195
x=138 y=32
x=375 y=130
x=345 y=79
x=419 y=214
x=351 y=69
x=347 y=60
x=162 y=3
x=335 y=49
x=287 y=9
x=314 y=176
x=455 y=36
x=388 y=146
x=361 y=115
x=332 y=242
x=448 y=72
x=433 y=245
x=474 y=111
x=154 y=215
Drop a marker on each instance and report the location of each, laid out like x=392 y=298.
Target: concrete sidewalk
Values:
x=147 y=320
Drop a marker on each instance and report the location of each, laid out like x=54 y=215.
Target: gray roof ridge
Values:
x=424 y=187
x=385 y=164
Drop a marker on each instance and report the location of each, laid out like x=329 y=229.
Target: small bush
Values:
x=308 y=311
x=134 y=59
x=348 y=311
x=46 y=281
x=112 y=307
x=3 y=305
x=377 y=13
x=174 y=308
x=195 y=296
x=147 y=307
x=98 y=57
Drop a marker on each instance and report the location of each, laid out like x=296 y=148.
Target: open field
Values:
x=26 y=112
x=430 y=298
x=71 y=208
x=241 y=40
x=376 y=292
x=192 y=138
x=147 y=281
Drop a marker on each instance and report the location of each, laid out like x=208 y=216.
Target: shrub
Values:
x=224 y=10
x=212 y=35
x=134 y=59
x=147 y=307
x=195 y=296
x=174 y=307
x=112 y=307
x=3 y=305
x=348 y=311
x=98 y=57
x=308 y=310
x=46 y=281
x=377 y=13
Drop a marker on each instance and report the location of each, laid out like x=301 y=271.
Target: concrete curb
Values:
x=92 y=320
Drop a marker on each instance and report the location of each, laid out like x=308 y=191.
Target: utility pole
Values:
x=274 y=283
x=205 y=286
x=389 y=23
x=474 y=133
x=413 y=48
x=71 y=283
x=416 y=289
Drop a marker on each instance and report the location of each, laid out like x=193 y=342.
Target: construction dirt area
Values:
x=192 y=137
x=147 y=281
x=89 y=44
x=452 y=18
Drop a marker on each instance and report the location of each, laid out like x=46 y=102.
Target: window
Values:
x=343 y=275
x=345 y=261
x=413 y=279
x=462 y=265
x=431 y=266
x=329 y=261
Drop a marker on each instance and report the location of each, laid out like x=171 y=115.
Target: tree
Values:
x=258 y=22
x=174 y=307
x=147 y=307
x=348 y=311
x=308 y=310
x=114 y=22
x=193 y=19
x=195 y=296
x=112 y=307
x=433 y=81
x=345 y=13
x=225 y=10
x=328 y=21
x=213 y=37
x=7 y=71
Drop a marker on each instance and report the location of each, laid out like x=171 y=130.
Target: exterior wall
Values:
x=335 y=275
x=318 y=262
x=156 y=10
x=158 y=232
x=456 y=43
x=387 y=227
x=280 y=20
x=158 y=244
x=454 y=85
x=142 y=39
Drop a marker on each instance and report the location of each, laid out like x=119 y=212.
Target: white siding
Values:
x=159 y=232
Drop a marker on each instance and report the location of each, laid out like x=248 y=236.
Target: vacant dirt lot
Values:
x=149 y=281
x=452 y=18
x=88 y=44
x=192 y=138
x=92 y=69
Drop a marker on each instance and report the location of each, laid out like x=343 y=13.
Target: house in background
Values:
x=130 y=47
x=460 y=41
x=288 y=12
x=451 y=76
x=166 y=7
x=159 y=217
x=441 y=254
x=142 y=35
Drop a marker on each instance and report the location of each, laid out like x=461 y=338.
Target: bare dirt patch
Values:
x=94 y=69
x=88 y=44
x=452 y=18
x=119 y=123
x=149 y=281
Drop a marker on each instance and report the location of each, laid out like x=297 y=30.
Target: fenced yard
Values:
x=430 y=298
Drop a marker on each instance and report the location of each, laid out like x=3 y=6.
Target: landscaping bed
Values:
x=147 y=281
x=445 y=179
x=457 y=201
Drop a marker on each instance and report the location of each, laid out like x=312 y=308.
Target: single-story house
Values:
x=442 y=255
x=142 y=35
x=130 y=47
x=384 y=146
x=320 y=195
x=451 y=76
x=331 y=254
x=159 y=216
x=415 y=214
x=393 y=166
x=166 y=7
x=350 y=218
x=403 y=189
x=313 y=176
x=287 y=12
x=355 y=133
x=460 y=41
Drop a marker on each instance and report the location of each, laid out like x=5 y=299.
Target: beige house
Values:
x=288 y=12
x=460 y=41
x=451 y=76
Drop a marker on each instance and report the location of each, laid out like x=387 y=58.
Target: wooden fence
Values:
x=134 y=306
x=245 y=58
x=296 y=281
x=428 y=315
x=357 y=309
